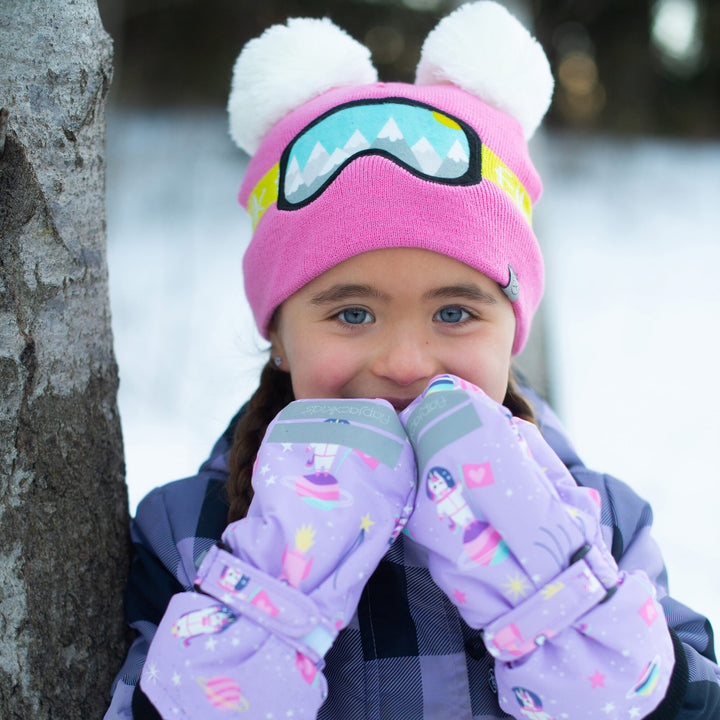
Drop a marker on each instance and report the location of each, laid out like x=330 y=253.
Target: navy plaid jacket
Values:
x=407 y=654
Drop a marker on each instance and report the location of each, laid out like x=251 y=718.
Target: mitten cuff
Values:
x=206 y=663
x=271 y=603
x=616 y=661
x=587 y=582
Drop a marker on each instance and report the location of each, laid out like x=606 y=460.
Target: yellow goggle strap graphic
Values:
x=495 y=170
x=264 y=194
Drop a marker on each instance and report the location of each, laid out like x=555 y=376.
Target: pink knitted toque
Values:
x=376 y=165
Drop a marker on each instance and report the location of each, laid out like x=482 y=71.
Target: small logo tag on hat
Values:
x=512 y=289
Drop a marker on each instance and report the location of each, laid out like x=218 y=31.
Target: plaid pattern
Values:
x=407 y=654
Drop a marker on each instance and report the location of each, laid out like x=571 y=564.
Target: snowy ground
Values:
x=632 y=247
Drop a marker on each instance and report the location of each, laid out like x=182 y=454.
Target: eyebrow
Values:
x=347 y=291
x=469 y=291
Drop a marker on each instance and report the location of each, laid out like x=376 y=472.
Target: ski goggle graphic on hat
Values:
x=427 y=142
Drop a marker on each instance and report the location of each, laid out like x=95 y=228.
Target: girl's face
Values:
x=384 y=323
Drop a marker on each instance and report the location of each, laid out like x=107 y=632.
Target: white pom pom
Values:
x=287 y=66
x=483 y=49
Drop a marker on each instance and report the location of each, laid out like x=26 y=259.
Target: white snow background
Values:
x=629 y=230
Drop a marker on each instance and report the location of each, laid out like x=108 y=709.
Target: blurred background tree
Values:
x=640 y=67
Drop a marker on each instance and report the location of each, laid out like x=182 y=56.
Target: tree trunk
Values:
x=63 y=502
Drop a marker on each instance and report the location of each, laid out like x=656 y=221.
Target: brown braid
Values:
x=516 y=403
x=272 y=395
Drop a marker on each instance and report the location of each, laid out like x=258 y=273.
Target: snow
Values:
x=338 y=157
x=319 y=158
x=457 y=153
x=390 y=131
x=356 y=143
x=293 y=176
x=186 y=348
x=425 y=153
x=632 y=248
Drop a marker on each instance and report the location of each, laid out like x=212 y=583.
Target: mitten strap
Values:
x=588 y=581
x=270 y=603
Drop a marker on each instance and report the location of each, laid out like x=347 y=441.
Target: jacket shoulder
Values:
x=178 y=522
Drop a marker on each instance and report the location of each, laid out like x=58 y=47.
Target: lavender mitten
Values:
x=334 y=483
x=516 y=545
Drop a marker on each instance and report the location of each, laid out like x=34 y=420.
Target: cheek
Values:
x=486 y=363
x=495 y=377
x=321 y=371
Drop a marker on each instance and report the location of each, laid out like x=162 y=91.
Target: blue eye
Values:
x=452 y=314
x=355 y=316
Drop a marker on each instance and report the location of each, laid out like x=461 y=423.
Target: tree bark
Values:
x=64 y=546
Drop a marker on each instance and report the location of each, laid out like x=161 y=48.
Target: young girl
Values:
x=392 y=527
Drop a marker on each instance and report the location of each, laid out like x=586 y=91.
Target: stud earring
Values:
x=277 y=360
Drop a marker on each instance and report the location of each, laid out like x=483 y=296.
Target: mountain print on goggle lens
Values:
x=417 y=137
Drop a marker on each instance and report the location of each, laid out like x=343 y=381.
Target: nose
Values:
x=406 y=356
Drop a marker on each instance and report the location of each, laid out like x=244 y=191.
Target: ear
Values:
x=278 y=358
x=483 y=49
x=287 y=66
